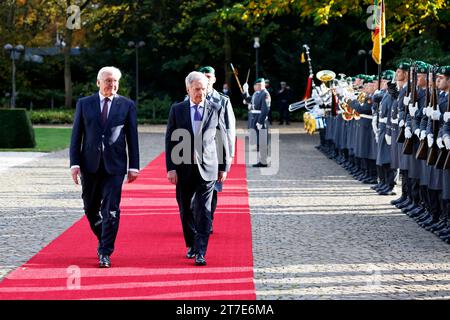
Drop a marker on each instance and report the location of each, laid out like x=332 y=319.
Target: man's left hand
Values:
x=132 y=176
x=259 y=126
x=222 y=176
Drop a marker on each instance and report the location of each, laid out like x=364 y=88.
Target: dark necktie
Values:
x=104 y=115
x=197 y=118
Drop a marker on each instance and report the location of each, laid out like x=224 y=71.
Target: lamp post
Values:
x=136 y=46
x=256 y=45
x=15 y=55
x=365 y=54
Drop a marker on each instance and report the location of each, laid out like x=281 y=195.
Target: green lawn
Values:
x=48 y=139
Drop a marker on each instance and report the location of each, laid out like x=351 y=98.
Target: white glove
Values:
x=321 y=112
x=388 y=139
x=417 y=133
x=245 y=87
x=436 y=115
x=430 y=140
x=377 y=135
x=259 y=126
x=423 y=134
x=428 y=111
x=249 y=105
x=408 y=133
x=439 y=143
x=374 y=126
x=406 y=100
x=401 y=124
x=447 y=142
x=413 y=109
x=446 y=116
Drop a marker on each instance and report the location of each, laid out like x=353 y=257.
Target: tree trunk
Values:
x=67 y=71
x=227 y=50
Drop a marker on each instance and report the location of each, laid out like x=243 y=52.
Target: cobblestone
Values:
x=319 y=234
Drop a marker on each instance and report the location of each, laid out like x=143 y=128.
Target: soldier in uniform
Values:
x=444 y=142
x=412 y=131
x=401 y=76
x=230 y=123
x=259 y=106
x=387 y=175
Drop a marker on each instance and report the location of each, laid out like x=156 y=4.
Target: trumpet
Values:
x=308 y=104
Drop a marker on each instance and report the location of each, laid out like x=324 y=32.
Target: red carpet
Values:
x=149 y=260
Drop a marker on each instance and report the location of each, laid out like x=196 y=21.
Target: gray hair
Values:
x=109 y=70
x=195 y=76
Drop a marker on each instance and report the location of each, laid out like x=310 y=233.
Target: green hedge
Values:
x=52 y=116
x=16 y=130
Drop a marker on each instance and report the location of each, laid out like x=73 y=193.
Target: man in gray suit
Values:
x=193 y=162
x=230 y=123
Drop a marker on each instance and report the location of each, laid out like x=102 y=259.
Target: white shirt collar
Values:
x=201 y=104
x=102 y=97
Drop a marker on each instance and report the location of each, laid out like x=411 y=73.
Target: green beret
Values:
x=353 y=78
x=207 y=69
x=259 y=80
x=404 y=65
x=388 y=75
x=368 y=79
x=422 y=67
x=375 y=77
x=361 y=76
x=444 y=70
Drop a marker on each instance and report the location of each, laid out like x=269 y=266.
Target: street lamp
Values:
x=366 y=54
x=137 y=45
x=256 y=45
x=14 y=55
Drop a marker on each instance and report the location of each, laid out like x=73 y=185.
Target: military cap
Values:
x=368 y=79
x=259 y=80
x=422 y=67
x=388 y=75
x=353 y=78
x=444 y=70
x=404 y=65
x=374 y=77
x=361 y=76
x=207 y=69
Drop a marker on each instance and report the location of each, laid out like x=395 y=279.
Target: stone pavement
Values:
x=317 y=233
x=320 y=234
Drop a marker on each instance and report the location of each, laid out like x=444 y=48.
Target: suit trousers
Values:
x=101 y=197
x=194 y=196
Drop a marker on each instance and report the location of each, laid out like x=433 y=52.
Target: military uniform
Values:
x=259 y=106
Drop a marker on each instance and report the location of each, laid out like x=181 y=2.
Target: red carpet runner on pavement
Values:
x=149 y=260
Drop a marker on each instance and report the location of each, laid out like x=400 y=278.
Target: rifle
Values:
x=236 y=76
x=444 y=151
x=434 y=150
x=401 y=134
x=422 y=151
x=409 y=143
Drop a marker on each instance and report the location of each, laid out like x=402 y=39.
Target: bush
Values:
x=52 y=116
x=16 y=130
x=156 y=110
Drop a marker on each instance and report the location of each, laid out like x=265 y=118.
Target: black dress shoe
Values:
x=398 y=200
x=190 y=253
x=259 y=165
x=416 y=212
x=200 y=260
x=104 y=261
x=403 y=204
x=412 y=206
x=389 y=192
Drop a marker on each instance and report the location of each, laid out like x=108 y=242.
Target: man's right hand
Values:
x=75 y=172
x=245 y=87
x=172 y=176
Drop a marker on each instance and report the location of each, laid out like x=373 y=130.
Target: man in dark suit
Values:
x=196 y=161
x=105 y=124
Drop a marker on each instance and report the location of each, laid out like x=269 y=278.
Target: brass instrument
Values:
x=325 y=75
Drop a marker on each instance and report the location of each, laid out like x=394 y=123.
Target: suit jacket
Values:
x=230 y=119
x=200 y=149
x=89 y=137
